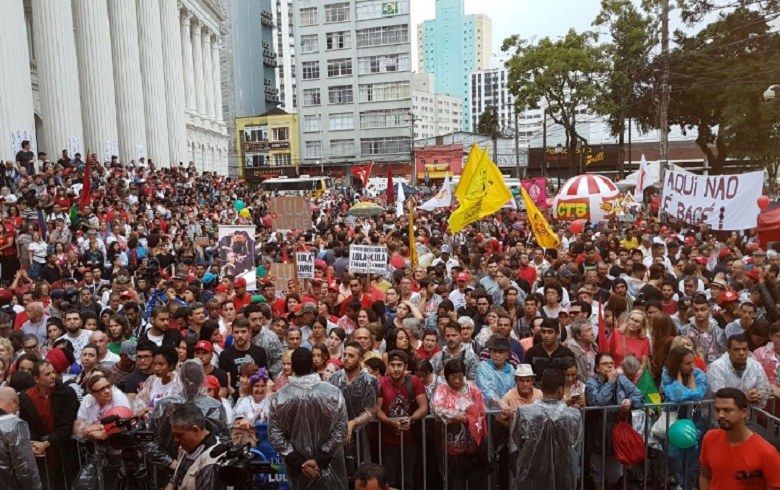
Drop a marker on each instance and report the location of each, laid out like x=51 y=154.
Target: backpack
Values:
x=627 y=444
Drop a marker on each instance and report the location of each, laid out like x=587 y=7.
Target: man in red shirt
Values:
x=242 y=297
x=356 y=288
x=526 y=271
x=734 y=456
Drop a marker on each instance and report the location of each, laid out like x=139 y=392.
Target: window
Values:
x=381 y=8
x=337 y=12
x=311 y=97
x=379 y=92
x=384 y=146
x=342 y=148
x=342 y=122
x=256 y=160
x=338 y=40
x=381 y=36
x=341 y=67
x=311 y=70
x=309 y=44
x=252 y=134
x=309 y=16
x=384 y=64
x=383 y=119
x=312 y=124
x=313 y=149
x=340 y=94
x=282 y=159
x=280 y=134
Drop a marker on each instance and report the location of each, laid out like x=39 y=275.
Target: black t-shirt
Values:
x=540 y=360
x=134 y=381
x=231 y=360
x=221 y=376
x=25 y=159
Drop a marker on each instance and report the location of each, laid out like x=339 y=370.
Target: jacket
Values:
x=64 y=406
x=18 y=469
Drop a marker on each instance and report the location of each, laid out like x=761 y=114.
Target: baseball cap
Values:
x=204 y=345
x=728 y=297
x=719 y=283
x=524 y=371
x=211 y=381
x=6 y=295
x=221 y=288
x=463 y=277
x=445 y=249
x=128 y=349
x=724 y=252
x=239 y=282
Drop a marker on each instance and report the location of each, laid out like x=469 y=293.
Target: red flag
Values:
x=362 y=173
x=390 y=188
x=603 y=345
x=86 y=189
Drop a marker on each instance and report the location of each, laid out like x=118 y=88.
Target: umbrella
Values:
x=366 y=209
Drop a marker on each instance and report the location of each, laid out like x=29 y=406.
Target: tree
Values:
x=490 y=126
x=717 y=80
x=628 y=83
x=563 y=75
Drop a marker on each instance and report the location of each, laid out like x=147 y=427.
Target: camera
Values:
x=127 y=433
x=244 y=466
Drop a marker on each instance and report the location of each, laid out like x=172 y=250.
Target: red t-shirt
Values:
x=527 y=273
x=396 y=403
x=365 y=302
x=619 y=348
x=670 y=309
x=240 y=302
x=755 y=462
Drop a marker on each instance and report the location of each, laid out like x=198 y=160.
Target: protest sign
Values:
x=724 y=202
x=281 y=275
x=290 y=212
x=368 y=259
x=304 y=263
x=237 y=253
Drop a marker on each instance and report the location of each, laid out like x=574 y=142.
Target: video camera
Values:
x=127 y=432
x=242 y=465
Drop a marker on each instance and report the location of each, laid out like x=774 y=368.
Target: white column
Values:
x=174 y=84
x=58 y=83
x=129 y=94
x=208 y=73
x=16 y=100
x=186 y=60
x=98 y=100
x=150 y=42
x=197 y=68
x=217 y=72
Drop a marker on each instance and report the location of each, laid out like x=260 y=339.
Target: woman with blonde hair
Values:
x=630 y=338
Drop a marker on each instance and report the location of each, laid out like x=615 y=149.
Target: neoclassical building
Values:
x=127 y=77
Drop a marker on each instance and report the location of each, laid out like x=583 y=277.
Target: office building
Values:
x=434 y=114
x=452 y=58
x=285 y=55
x=353 y=73
x=490 y=88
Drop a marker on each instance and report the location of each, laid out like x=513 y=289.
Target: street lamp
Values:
x=771 y=93
x=559 y=152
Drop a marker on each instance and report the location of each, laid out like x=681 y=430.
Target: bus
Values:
x=298 y=186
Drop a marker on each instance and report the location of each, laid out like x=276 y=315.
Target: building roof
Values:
x=274 y=111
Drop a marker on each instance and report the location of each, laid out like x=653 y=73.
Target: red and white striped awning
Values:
x=588 y=185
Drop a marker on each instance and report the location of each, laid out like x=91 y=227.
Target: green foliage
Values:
x=488 y=124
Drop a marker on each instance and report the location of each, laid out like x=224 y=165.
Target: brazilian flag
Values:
x=647 y=386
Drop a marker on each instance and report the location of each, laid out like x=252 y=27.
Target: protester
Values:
x=17 y=461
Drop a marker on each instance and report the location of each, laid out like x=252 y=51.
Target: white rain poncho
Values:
x=17 y=461
x=547 y=435
x=309 y=421
x=721 y=374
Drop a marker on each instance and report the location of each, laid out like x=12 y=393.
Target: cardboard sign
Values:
x=304 y=263
x=281 y=275
x=368 y=259
x=290 y=212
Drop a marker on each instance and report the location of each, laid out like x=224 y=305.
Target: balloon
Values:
x=683 y=434
x=577 y=226
x=244 y=213
x=238 y=205
x=763 y=202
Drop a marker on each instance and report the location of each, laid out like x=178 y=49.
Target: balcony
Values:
x=272 y=94
x=269 y=58
x=266 y=19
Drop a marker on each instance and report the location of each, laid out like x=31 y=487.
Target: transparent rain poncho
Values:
x=360 y=396
x=191 y=377
x=16 y=455
x=309 y=421
x=546 y=435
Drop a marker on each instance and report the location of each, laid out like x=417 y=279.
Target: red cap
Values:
x=204 y=345
x=463 y=277
x=221 y=289
x=728 y=297
x=753 y=274
x=6 y=295
x=332 y=287
x=724 y=252
x=239 y=282
x=211 y=381
x=701 y=260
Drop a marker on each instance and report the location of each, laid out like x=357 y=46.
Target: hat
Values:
x=701 y=260
x=208 y=278
x=729 y=297
x=211 y=381
x=333 y=287
x=58 y=360
x=497 y=342
x=565 y=272
x=724 y=252
x=57 y=294
x=524 y=371
x=445 y=249
x=125 y=295
x=463 y=277
x=753 y=273
x=221 y=289
x=258 y=298
x=719 y=283
x=204 y=345
x=128 y=349
x=239 y=282
x=583 y=289
x=6 y=295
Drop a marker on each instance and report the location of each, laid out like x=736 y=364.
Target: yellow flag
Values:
x=485 y=194
x=472 y=162
x=412 y=240
x=539 y=225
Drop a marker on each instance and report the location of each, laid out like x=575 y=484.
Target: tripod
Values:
x=133 y=474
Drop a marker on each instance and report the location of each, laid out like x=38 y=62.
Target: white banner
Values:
x=368 y=259
x=237 y=253
x=304 y=262
x=442 y=199
x=724 y=202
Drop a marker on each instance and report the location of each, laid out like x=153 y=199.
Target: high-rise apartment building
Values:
x=490 y=88
x=434 y=114
x=285 y=54
x=451 y=57
x=353 y=72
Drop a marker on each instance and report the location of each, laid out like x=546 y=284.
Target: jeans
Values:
x=35 y=270
x=684 y=463
x=396 y=466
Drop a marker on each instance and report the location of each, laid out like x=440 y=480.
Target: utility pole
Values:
x=413 y=173
x=664 y=122
x=517 y=144
x=544 y=143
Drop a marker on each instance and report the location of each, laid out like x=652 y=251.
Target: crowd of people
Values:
x=114 y=302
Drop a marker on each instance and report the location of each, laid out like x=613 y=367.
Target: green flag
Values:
x=647 y=386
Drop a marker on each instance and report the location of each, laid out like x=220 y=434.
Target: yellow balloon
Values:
x=244 y=213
